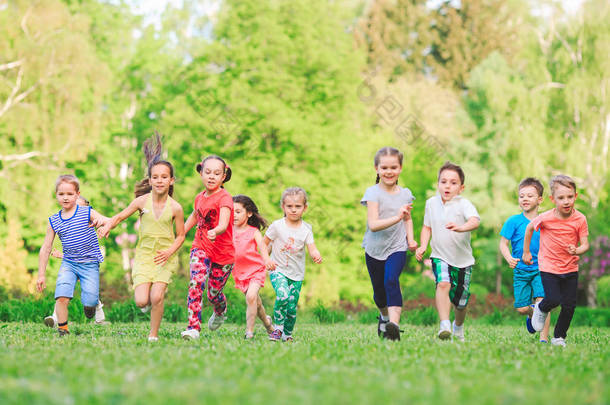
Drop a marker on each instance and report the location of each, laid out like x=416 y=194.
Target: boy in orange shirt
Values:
x=561 y=230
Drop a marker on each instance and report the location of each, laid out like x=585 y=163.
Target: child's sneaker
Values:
x=558 y=342
x=287 y=338
x=392 y=331
x=276 y=335
x=65 y=332
x=100 y=317
x=153 y=338
x=538 y=318
x=444 y=332
x=215 y=321
x=528 y=325
x=381 y=325
x=51 y=321
x=190 y=334
x=458 y=332
x=143 y=309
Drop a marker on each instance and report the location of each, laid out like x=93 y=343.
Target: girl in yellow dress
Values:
x=155 y=259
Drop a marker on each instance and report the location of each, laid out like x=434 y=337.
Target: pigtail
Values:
x=228 y=173
x=377 y=180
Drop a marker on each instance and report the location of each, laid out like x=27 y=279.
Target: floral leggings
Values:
x=203 y=271
x=287 y=293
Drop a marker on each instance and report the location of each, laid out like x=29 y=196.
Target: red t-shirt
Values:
x=555 y=236
x=207 y=211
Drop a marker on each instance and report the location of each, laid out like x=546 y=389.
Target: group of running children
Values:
x=544 y=249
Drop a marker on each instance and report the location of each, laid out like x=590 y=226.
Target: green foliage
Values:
x=603 y=291
x=325 y=315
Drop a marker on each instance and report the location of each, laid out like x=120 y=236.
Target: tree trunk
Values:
x=591 y=291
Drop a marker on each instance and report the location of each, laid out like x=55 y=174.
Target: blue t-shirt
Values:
x=514 y=231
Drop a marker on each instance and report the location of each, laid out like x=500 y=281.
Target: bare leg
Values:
x=142 y=294
x=157 y=296
x=460 y=315
x=61 y=308
x=443 y=303
x=262 y=315
x=394 y=313
x=252 y=302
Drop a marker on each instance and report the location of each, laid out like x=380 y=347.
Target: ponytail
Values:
x=153 y=149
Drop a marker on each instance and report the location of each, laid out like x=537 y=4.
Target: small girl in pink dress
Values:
x=251 y=259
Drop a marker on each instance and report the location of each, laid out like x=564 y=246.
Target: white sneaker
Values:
x=558 y=342
x=143 y=309
x=51 y=321
x=190 y=334
x=153 y=339
x=458 y=332
x=444 y=333
x=215 y=321
x=538 y=318
x=100 y=317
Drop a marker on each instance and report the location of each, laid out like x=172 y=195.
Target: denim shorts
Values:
x=89 y=276
x=527 y=285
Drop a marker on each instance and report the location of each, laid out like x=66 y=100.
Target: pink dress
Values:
x=249 y=265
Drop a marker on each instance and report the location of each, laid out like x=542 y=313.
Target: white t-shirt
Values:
x=288 y=248
x=450 y=246
x=381 y=244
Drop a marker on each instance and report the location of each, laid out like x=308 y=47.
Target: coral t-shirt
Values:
x=247 y=259
x=555 y=236
x=207 y=211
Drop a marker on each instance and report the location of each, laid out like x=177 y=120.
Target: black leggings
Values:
x=560 y=289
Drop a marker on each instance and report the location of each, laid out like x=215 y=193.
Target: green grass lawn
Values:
x=326 y=364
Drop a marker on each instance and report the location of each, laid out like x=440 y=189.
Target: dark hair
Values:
x=256 y=220
x=153 y=149
x=226 y=167
x=532 y=182
x=387 y=151
x=564 y=180
x=453 y=167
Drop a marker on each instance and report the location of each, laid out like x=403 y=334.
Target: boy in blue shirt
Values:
x=527 y=283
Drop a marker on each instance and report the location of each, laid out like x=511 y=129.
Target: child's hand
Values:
x=412 y=245
x=57 y=254
x=41 y=283
x=98 y=222
x=212 y=235
x=572 y=249
x=405 y=212
x=527 y=258
x=512 y=262
x=419 y=253
x=316 y=257
x=162 y=257
x=270 y=265
x=104 y=230
x=452 y=226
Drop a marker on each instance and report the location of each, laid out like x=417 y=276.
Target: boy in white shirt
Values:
x=448 y=220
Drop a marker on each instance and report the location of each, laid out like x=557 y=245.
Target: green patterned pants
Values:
x=286 y=299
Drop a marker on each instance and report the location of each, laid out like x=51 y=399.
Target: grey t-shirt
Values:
x=288 y=249
x=381 y=244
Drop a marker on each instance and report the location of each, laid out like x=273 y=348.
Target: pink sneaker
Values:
x=276 y=335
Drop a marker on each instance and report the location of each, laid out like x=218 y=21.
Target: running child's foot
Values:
x=50 y=321
x=381 y=326
x=270 y=327
x=249 y=336
x=143 y=309
x=538 y=318
x=287 y=338
x=458 y=332
x=528 y=325
x=215 y=321
x=544 y=341
x=444 y=332
x=153 y=338
x=392 y=331
x=558 y=342
x=65 y=332
x=276 y=335
x=190 y=334
x=100 y=317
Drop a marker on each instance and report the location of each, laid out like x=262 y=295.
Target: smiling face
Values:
x=449 y=184
x=212 y=174
x=294 y=206
x=66 y=195
x=564 y=198
x=388 y=169
x=240 y=215
x=160 y=179
x=529 y=200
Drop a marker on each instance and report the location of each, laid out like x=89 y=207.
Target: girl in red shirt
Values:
x=213 y=252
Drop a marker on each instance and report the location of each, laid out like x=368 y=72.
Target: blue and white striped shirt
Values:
x=79 y=241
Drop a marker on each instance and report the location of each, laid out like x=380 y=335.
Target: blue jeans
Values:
x=89 y=276
x=384 y=277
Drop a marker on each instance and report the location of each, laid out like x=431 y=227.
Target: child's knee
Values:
x=141 y=301
x=251 y=299
x=443 y=286
x=156 y=299
x=89 y=312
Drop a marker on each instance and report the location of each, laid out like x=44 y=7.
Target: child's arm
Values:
x=512 y=261
x=163 y=255
x=262 y=248
x=424 y=239
x=582 y=248
x=43 y=258
x=97 y=220
x=137 y=204
x=376 y=224
x=470 y=225
x=410 y=235
x=191 y=221
x=314 y=253
x=267 y=247
x=527 y=239
x=223 y=223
